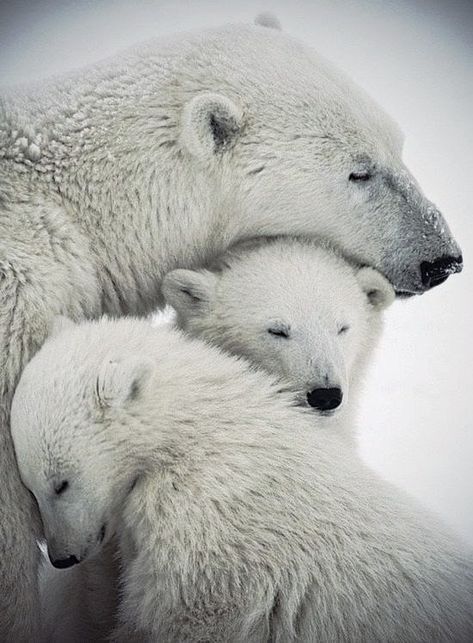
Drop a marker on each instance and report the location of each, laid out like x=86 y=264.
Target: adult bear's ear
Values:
x=122 y=381
x=378 y=290
x=210 y=124
x=188 y=291
x=59 y=324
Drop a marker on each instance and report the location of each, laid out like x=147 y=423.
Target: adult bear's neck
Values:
x=143 y=222
x=110 y=149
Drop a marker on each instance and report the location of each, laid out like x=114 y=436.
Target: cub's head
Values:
x=290 y=307
x=67 y=420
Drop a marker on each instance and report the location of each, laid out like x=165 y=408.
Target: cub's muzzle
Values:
x=325 y=399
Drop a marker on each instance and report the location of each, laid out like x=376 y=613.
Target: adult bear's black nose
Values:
x=62 y=563
x=325 y=399
x=436 y=272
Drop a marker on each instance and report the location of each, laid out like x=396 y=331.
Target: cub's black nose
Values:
x=325 y=399
x=434 y=273
x=62 y=563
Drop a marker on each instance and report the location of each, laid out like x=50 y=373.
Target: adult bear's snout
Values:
x=434 y=273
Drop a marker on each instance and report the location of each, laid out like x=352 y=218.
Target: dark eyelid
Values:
x=359 y=177
x=343 y=329
x=279 y=332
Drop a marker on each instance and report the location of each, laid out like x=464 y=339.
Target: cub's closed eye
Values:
x=343 y=329
x=61 y=487
x=279 y=332
x=359 y=177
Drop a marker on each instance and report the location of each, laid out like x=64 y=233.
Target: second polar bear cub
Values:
x=295 y=308
x=235 y=520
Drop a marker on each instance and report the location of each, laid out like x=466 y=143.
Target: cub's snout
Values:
x=325 y=399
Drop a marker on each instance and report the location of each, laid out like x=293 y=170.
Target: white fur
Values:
x=253 y=287
x=329 y=310
x=239 y=518
x=162 y=157
x=306 y=288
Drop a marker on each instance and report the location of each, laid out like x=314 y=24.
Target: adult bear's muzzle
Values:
x=434 y=273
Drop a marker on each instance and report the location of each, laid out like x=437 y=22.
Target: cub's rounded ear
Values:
x=122 y=381
x=210 y=124
x=269 y=20
x=59 y=324
x=378 y=290
x=189 y=292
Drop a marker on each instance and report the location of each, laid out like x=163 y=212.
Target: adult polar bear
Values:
x=161 y=158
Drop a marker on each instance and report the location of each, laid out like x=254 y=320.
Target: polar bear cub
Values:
x=295 y=308
x=236 y=520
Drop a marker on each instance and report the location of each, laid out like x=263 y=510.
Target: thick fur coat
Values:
x=161 y=158
x=292 y=307
x=239 y=518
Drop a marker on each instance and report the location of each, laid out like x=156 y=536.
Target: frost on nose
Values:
x=430 y=216
x=429 y=254
x=436 y=272
x=433 y=223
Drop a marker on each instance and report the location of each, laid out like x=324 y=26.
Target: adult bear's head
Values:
x=294 y=147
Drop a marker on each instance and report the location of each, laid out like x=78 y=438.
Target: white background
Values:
x=416 y=59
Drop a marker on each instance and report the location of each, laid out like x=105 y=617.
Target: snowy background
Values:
x=416 y=58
